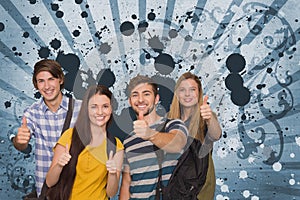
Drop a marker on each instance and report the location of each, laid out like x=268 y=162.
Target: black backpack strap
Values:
x=160 y=156
x=69 y=115
x=111 y=144
x=67 y=123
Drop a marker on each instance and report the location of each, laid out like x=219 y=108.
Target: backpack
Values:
x=188 y=176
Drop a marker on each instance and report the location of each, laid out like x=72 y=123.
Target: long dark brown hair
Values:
x=81 y=137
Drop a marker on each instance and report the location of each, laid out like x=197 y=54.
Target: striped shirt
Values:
x=46 y=127
x=142 y=160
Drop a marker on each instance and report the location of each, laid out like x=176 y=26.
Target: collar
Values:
x=64 y=104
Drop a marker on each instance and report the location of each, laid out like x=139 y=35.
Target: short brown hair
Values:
x=139 y=79
x=51 y=66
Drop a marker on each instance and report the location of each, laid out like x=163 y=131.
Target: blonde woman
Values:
x=190 y=106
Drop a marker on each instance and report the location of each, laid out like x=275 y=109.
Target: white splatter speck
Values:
x=246 y=193
x=224 y=188
x=255 y=198
x=277 y=167
x=243 y=174
x=292 y=182
x=297 y=140
x=219 y=181
x=221 y=197
x=251 y=159
x=292 y=155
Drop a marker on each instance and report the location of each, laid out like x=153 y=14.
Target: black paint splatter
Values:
x=164 y=63
x=35 y=20
x=44 y=52
x=54 y=6
x=55 y=44
x=84 y=14
x=76 y=33
x=127 y=28
x=2 y=27
x=26 y=34
x=105 y=48
x=59 y=14
x=106 y=77
x=142 y=27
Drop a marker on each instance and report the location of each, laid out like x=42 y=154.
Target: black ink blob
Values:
x=35 y=20
x=106 y=77
x=151 y=16
x=84 y=14
x=54 y=6
x=59 y=14
x=127 y=28
x=142 y=27
x=235 y=63
x=173 y=33
x=44 y=52
x=55 y=44
x=156 y=44
x=105 y=48
x=2 y=27
x=26 y=34
x=76 y=33
x=164 y=63
x=78 y=1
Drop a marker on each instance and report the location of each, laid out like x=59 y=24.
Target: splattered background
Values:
x=245 y=52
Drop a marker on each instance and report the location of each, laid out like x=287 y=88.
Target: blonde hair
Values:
x=197 y=125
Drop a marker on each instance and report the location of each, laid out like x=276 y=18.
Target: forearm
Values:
x=124 y=191
x=172 y=142
x=53 y=175
x=112 y=184
x=213 y=128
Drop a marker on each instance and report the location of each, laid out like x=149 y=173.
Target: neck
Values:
x=186 y=112
x=54 y=104
x=98 y=134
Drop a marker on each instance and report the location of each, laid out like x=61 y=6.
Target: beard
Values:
x=148 y=111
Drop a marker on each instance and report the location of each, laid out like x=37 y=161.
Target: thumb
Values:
x=205 y=99
x=24 y=122
x=67 y=148
x=111 y=155
x=141 y=116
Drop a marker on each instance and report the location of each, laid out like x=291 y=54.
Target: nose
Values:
x=47 y=84
x=187 y=93
x=99 y=110
x=140 y=98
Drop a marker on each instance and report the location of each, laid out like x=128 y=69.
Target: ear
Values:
x=156 y=100
x=61 y=81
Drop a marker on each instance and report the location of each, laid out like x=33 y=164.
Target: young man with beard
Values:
x=45 y=118
x=151 y=133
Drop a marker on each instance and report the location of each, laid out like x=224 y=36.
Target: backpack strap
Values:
x=69 y=115
x=111 y=144
x=66 y=125
x=160 y=156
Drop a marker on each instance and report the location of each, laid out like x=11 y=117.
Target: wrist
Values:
x=152 y=137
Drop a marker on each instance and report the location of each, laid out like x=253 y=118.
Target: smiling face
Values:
x=142 y=99
x=100 y=110
x=188 y=93
x=49 y=86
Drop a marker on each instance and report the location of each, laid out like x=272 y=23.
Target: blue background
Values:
x=245 y=52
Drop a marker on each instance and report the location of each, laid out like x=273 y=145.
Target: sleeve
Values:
x=119 y=144
x=66 y=138
x=177 y=124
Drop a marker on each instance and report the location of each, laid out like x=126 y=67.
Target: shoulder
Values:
x=119 y=144
x=66 y=137
x=176 y=124
x=34 y=107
